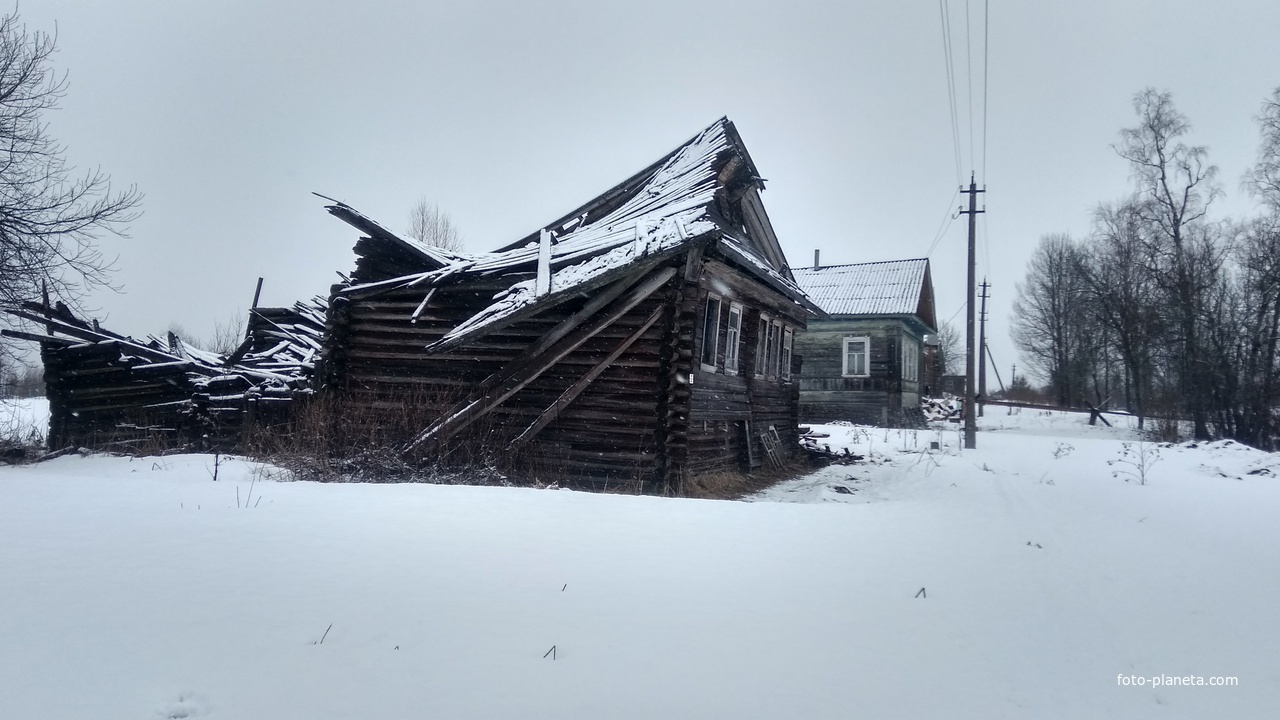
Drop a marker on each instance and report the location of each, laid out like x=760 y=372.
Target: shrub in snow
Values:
x=1135 y=461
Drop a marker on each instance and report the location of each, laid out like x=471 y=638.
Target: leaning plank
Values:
x=550 y=337
x=527 y=368
x=568 y=396
x=33 y=337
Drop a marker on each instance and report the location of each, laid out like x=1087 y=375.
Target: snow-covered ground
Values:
x=24 y=420
x=139 y=589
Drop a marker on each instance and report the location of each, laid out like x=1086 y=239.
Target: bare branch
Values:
x=50 y=213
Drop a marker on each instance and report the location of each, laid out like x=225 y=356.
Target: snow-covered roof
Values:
x=655 y=212
x=286 y=364
x=879 y=288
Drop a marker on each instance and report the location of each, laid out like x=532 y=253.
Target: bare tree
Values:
x=227 y=336
x=1050 y=317
x=1176 y=186
x=950 y=352
x=1264 y=179
x=1124 y=294
x=429 y=225
x=50 y=214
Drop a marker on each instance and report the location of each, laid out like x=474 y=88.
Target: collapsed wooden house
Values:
x=646 y=336
x=863 y=361
x=111 y=391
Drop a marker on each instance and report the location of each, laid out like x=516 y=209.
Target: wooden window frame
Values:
x=771 y=350
x=714 y=323
x=762 y=358
x=733 y=340
x=866 y=352
x=788 y=340
x=910 y=360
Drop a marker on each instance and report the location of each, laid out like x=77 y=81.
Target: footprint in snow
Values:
x=187 y=705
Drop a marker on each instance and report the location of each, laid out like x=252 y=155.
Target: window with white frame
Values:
x=787 y=338
x=910 y=359
x=710 y=333
x=857 y=357
x=732 y=338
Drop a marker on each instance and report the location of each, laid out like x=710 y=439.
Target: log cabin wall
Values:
x=882 y=397
x=102 y=398
x=651 y=416
x=734 y=401
x=376 y=362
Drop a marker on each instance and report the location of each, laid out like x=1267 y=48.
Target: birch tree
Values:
x=1176 y=185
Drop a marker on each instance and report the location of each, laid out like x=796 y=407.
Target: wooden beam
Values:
x=525 y=369
x=542 y=286
x=571 y=394
x=34 y=337
x=693 y=263
x=592 y=306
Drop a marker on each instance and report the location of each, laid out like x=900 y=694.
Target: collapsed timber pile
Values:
x=641 y=338
x=108 y=390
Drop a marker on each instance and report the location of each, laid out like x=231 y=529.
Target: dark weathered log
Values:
x=570 y=394
x=541 y=357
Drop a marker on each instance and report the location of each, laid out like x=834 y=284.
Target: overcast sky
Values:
x=227 y=115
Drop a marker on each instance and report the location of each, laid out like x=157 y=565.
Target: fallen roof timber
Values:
x=529 y=366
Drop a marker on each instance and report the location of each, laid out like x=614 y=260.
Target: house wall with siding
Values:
x=881 y=398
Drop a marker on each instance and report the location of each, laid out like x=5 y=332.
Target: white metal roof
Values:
x=878 y=288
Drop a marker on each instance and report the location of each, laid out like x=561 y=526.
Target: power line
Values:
x=968 y=60
x=986 y=248
x=951 y=84
x=986 y=25
x=945 y=224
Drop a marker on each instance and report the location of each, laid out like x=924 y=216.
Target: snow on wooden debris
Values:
x=670 y=234
x=758 y=266
x=351 y=216
x=685 y=182
x=669 y=209
x=283 y=341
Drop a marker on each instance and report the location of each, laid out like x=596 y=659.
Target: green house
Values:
x=864 y=363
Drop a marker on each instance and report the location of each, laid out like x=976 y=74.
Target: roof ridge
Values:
x=861 y=264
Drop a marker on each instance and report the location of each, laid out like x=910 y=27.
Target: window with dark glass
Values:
x=710 y=333
x=732 y=338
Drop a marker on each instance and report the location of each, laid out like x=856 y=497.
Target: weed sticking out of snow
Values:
x=1135 y=462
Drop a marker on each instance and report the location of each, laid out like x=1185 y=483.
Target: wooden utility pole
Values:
x=970 y=414
x=982 y=350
